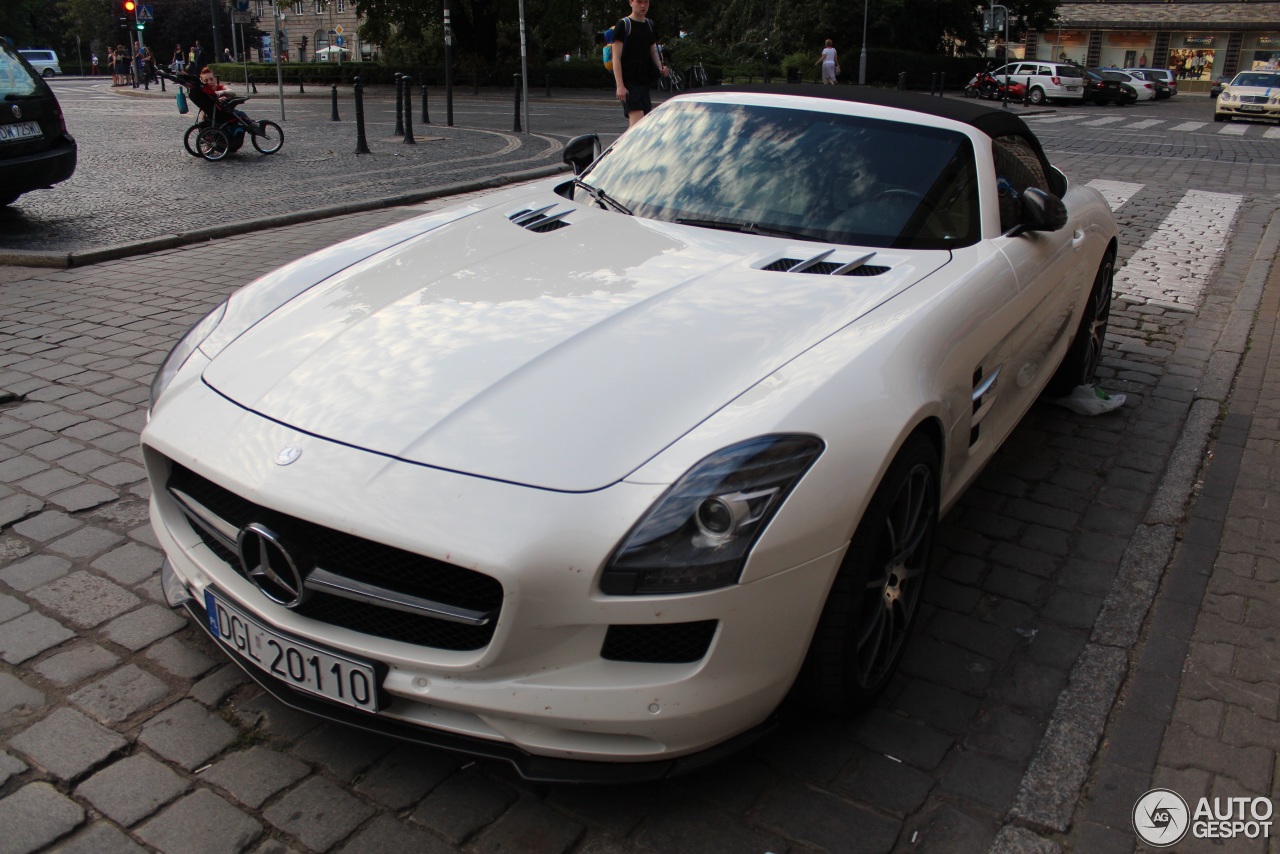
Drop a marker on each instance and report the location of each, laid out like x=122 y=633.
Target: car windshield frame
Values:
x=786 y=170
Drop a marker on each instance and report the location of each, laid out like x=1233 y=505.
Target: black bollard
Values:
x=362 y=144
x=162 y=89
x=334 y=116
x=399 y=131
x=517 y=81
x=933 y=82
x=253 y=86
x=1026 y=94
x=426 y=118
x=942 y=83
x=301 y=91
x=902 y=81
x=408 y=111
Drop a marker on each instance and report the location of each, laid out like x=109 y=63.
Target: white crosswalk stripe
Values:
x=1272 y=133
x=1189 y=126
x=1046 y=119
x=1115 y=192
x=1234 y=130
x=1109 y=120
x=1145 y=123
x=1173 y=266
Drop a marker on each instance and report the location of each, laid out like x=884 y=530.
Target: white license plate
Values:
x=1073 y=88
x=305 y=667
x=20 y=130
x=1251 y=108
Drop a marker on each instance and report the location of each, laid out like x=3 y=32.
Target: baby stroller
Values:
x=221 y=128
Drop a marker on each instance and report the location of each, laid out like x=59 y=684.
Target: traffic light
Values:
x=304 y=42
x=129 y=5
x=124 y=23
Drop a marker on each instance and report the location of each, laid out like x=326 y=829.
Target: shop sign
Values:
x=1268 y=41
x=1128 y=39
x=1198 y=41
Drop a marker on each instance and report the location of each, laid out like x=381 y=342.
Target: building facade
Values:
x=322 y=23
x=1198 y=41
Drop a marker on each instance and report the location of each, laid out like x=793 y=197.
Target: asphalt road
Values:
x=119 y=726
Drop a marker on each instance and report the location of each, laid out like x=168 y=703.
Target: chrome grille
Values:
x=353 y=582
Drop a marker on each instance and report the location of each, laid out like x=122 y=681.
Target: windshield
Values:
x=799 y=173
x=15 y=79
x=1247 y=78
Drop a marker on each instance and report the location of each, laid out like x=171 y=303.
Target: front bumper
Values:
x=1235 y=109
x=538 y=693
x=543 y=769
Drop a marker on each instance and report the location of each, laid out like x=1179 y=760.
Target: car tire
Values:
x=1036 y=96
x=871 y=609
x=1080 y=365
x=47 y=73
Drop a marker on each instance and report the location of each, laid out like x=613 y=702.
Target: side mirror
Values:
x=1042 y=211
x=581 y=151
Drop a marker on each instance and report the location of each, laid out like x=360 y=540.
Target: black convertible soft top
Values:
x=991 y=121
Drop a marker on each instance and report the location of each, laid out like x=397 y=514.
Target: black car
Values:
x=36 y=151
x=1101 y=89
x=1218 y=82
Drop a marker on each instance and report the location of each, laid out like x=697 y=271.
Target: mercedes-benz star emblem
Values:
x=16 y=110
x=267 y=564
x=288 y=454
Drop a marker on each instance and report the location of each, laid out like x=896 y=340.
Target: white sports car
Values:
x=589 y=474
x=1249 y=95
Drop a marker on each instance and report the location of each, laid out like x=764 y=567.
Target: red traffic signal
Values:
x=129 y=5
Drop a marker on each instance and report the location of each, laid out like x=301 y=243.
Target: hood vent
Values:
x=819 y=265
x=539 y=220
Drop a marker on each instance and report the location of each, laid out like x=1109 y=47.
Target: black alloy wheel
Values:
x=1080 y=365
x=870 y=612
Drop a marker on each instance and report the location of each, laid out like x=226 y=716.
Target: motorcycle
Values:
x=988 y=86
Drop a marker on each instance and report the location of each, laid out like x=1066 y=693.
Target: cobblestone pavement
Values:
x=122 y=728
x=134 y=179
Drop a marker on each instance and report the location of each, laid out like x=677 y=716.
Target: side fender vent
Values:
x=819 y=265
x=540 y=220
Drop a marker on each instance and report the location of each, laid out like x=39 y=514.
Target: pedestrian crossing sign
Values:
x=146 y=13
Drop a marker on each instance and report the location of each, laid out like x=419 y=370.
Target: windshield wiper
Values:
x=602 y=198
x=749 y=228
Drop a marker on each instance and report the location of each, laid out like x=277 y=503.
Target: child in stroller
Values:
x=222 y=127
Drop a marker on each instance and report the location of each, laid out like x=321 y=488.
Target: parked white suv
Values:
x=43 y=61
x=1049 y=81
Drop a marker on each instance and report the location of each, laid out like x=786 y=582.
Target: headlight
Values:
x=182 y=351
x=698 y=534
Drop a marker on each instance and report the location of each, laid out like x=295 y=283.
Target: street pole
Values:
x=524 y=70
x=275 y=40
x=448 y=66
x=862 y=60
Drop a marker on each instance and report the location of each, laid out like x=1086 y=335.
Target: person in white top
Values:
x=828 y=62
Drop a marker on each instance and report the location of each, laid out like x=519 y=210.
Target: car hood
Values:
x=562 y=357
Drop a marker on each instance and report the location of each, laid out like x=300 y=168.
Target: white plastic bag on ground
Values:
x=1090 y=400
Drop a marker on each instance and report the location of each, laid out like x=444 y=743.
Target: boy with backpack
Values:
x=635 y=46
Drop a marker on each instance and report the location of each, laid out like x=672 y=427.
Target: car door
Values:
x=1045 y=263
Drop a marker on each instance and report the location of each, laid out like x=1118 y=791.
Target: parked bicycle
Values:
x=672 y=81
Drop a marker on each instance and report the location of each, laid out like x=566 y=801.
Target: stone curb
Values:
x=1052 y=785
x=199 y=235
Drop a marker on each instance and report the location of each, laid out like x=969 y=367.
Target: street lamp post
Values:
x=862 y=60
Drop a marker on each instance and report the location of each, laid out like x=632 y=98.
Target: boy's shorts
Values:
x=637 y=99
